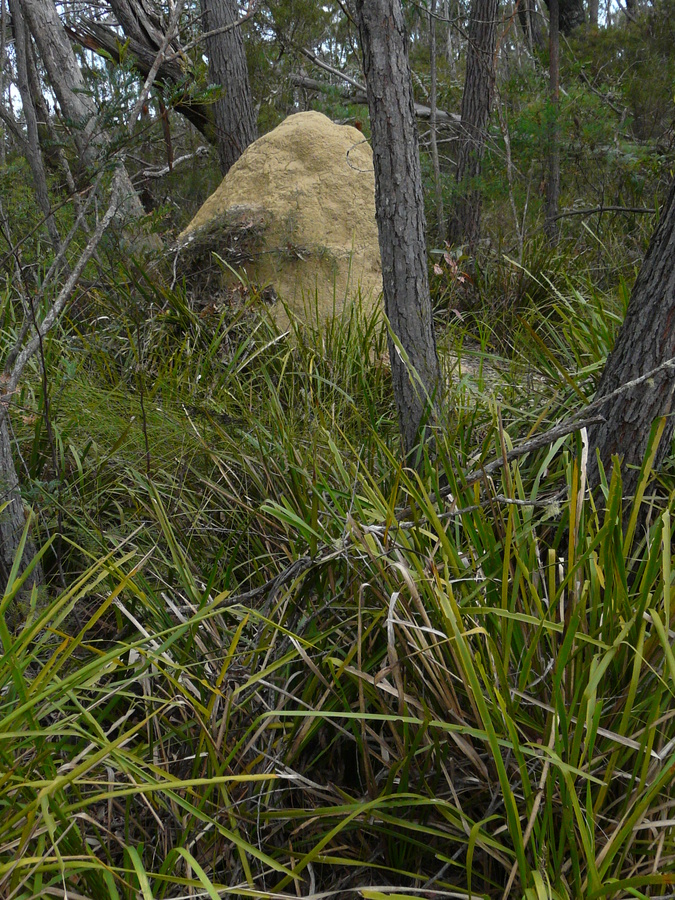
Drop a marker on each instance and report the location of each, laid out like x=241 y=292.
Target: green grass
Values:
x=278 y=663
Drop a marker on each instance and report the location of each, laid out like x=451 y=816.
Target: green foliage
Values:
x=280 y=658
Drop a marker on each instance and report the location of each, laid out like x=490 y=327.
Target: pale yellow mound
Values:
x=311 y=185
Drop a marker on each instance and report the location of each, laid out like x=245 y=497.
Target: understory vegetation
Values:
x=268 y=659
x=276 y=661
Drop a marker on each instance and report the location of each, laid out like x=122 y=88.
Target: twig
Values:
x=311 y=84
x=542 y=440
x=331 y=69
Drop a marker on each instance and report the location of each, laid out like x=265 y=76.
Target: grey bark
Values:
x=399 y=207
x=234 y=113
x=438 y=184
x=32 y=147
x=49 y=140
x=140 y=21
x=571 y=14
x=3 y=52
x=645 y=341
x=593 y=12
x=551 y=226
x=64 y=74
x=476 y=104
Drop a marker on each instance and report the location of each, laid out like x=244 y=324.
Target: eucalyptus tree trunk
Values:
x=3 y=54
x=476 y=104
x=141 y=21
x=571 y=13
x=399 y=208
x=32 y=146
x=234 y=113
x=553 y=179
x=593 y=12
x=433 y=104
x=645 y=342
x=64 y=74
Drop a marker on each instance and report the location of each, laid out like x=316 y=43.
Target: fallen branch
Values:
x=636 y=210
x=569 y=426
x=358 y=95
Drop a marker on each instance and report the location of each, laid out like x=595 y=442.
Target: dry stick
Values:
x=542 y=440
x=603 y=97
x=331 y=69
x=504 y=128
x=160 y=173
x=424 y=112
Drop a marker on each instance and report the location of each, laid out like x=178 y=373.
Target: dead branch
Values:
x=358 y=94
x=636 y=210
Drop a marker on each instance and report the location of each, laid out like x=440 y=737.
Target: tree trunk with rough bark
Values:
x=551 y=229
x=235 y=119
x=433 y=131
x=571 y=15
x=476 y=103
x=140 y=20
x=64 y=75
x=593 y=12
x=646 y=340
x=399 y=207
